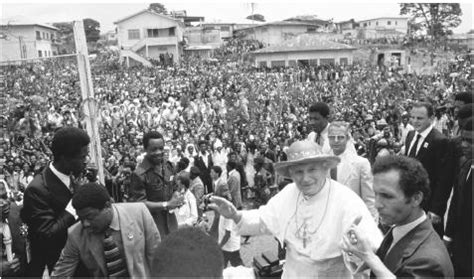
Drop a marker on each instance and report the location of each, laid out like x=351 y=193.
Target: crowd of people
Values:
x=220 y=125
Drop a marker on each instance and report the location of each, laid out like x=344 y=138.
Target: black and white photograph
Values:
x=236 y=139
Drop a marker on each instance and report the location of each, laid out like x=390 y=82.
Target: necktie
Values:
x=383 y=249
x=386 y=243
x=414 y=147
x=334 y=173
x=115 y=263
x=318 y=138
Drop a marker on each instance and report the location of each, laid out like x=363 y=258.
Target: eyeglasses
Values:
x=337 y=138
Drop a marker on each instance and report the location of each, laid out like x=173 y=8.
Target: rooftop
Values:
x=305 y=42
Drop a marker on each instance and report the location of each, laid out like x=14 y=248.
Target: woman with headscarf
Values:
x=190 y=152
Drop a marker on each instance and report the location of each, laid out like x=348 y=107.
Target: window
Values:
x=171 y=31
x=389 y=22
x=38 y=35
x=52 y=36
x=152 y=33
x=134 y=34
x=343 y=61
x=278 y=63
x=311 y=29
x=313 y=62
x=292 y=63
x=377 y=23
x=40 y=54
x=262 y=64
x=326 y=61
x=365 y=24
x=225 y=28
x=395 y=23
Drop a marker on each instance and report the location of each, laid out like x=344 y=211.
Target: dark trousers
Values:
x=233 y=258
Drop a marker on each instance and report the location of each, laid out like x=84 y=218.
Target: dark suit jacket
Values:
x=140 y=239
x=436 y=156
x=420 y=253
x=45 y=201
x=205 y=171
x=459 y=225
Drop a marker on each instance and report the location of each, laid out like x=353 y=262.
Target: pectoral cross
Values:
x=304 y=237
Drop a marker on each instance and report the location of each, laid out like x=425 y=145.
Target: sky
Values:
x=106 y=12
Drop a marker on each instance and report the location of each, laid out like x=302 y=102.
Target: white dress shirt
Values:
x=65 y=179
x=423 y=134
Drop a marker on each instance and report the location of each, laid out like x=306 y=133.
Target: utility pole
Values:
x=89 y=103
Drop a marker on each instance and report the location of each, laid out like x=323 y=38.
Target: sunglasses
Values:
x=337 y=138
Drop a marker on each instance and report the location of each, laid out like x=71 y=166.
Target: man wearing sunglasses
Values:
x=353 y=170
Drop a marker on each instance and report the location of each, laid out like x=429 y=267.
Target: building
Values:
x=27 y=40
x=466 y=40
x=348 y=27
x=274 y=33
x=147 y=34
x=304 y=50
x=383 y=27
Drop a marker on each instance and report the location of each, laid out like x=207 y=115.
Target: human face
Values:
x=203 y=147
x=393 y=206
x=420 y=119
x=94 y=219
x=467 y=141
x=317 y=122
x=457 y=105
x=77 y=164
x=337 y=139
x=214 y=175
x=155 y=151
x=309 y=178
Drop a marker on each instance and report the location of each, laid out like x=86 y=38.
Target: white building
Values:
x=304 y=50
x=384 y=27
x=27 y=40
x=147 y=34
x=274 y=33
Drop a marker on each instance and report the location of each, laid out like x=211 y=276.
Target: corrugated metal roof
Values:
x=23 y=21
x=279 y=23
x=305 y=42
x=151 y=12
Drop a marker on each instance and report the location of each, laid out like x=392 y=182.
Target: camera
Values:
x=207 y=201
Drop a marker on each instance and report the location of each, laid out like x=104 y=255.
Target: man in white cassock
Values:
x=310 y=216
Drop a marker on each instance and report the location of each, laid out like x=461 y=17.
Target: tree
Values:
x=436 y=19
x=256 y=17
x=158 y=8
x=92 y=29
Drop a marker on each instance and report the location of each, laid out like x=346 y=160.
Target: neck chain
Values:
x=302 y=231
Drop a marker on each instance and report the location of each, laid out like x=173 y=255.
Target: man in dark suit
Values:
x=112 y=240
x=47 y=208
x=458 y=236
x=433 y=150
x=411 y=247
x=203 y=161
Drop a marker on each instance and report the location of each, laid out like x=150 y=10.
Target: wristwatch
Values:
x=165 y=205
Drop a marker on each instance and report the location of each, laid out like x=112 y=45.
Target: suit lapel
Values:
x=408 y=141
x=425 y=145
x=95 y=246
x=406 y=246
x=128 y=232
x=60 y=192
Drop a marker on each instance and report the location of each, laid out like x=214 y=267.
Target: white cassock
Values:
x=311 y=229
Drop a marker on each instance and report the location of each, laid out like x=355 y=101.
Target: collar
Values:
x=400 y=231
x=425 y=133
x=65 y=179
x=114 y=224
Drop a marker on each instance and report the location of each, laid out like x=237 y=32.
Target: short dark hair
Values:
x=468 y=124
x=427 y=105
x=188 y=253
x=68 y=142
x=232 y=165
x=91 y=195
x=320 y=107
x=184 y=179
x=217 y=169
x=466 y=97
x=150 y=135
x=465 y=111
x=202 y=142
x=195 y=171
x=413 y=177
x=182 y=164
